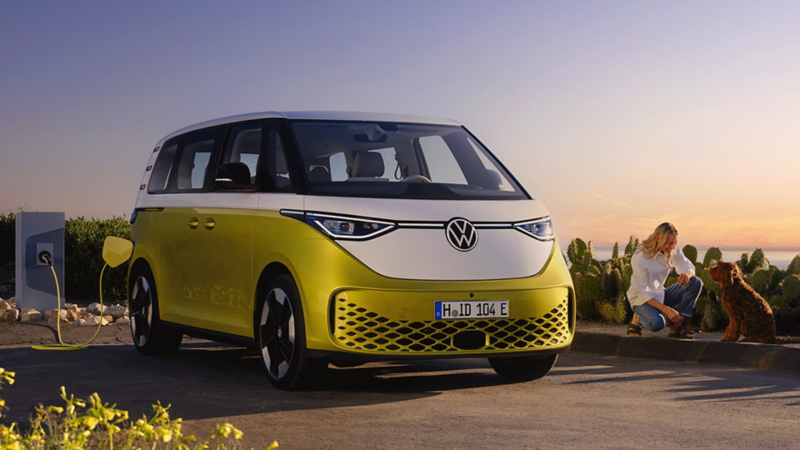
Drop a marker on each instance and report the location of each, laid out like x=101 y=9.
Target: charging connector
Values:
x=45 y=257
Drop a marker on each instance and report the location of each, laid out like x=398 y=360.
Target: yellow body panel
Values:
x=232 y=256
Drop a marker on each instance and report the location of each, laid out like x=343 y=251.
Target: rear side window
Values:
x=184 y=161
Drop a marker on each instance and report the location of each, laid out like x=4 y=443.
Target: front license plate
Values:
x=472 y=309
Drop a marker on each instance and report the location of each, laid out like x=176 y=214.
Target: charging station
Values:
x=39 y=235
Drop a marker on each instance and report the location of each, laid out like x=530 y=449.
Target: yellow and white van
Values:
x=320 y=237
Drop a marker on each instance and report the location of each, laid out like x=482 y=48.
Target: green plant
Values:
x=633 y=243
x=712 y=254
x=794 y=266
x=613 y=312
x=83 y=258
x=759 y=280
x=7 y=237
x=615 y=251
x=791 y=288
x=98 y=425
x=690 y=252
x=757 y=261
x=587 y=291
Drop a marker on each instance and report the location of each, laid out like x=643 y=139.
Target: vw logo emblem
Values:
x=461 y=234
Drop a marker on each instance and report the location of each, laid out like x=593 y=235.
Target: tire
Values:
x=523 y=369
x=281 y=337
x=150 y=336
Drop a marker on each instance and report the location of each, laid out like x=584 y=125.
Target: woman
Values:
x=654 y=305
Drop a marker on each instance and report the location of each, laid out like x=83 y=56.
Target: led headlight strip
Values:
x=541 y=229
x=343 y=227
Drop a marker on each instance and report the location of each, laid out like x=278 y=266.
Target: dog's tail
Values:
x=786 y=340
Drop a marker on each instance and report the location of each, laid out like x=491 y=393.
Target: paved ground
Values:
x=587 y=401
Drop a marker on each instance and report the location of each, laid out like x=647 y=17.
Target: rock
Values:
x=78 y=322
x=108 y=318
x=71 y=307
x=30 y=315
x=9 y=315
x=72 y=316
x=96 y=309
x=116 y=311
x=123 y=321
x=50 y=313
x=12 y=301
x=94 y=321
x=51 y=322
x=3 y=304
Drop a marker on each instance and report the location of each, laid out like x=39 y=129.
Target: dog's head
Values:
x=724 y=273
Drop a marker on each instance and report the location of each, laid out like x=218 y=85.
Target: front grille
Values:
x=358 y=328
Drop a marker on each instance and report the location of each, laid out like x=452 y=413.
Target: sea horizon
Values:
x=779 y=258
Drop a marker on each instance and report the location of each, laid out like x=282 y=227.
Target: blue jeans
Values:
x=680 y=298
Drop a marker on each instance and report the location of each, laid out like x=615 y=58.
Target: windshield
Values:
x=400 y=160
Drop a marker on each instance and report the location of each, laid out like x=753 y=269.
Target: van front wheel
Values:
x=150 y=336
x=280 y=335
x=523 y=368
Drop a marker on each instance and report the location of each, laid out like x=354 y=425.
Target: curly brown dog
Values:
x=750 y=315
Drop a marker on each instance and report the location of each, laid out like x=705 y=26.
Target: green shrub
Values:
x=8 y=237
x=791 y=288
x=759 y=280
x=83 y=259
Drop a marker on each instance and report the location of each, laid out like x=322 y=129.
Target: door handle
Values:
x=193 y=223
x=209 y=223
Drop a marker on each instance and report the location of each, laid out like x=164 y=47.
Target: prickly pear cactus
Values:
x=587 y=293
x=759 y=280
x=791 y=288
x=757 y=261
x=794 y=266
x=613 y=312
x=709 y=285
x=776 y=277
x=633 y=243
x=712 y=254
x=690 y=252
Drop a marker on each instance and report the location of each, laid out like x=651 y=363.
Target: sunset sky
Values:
x=618 y=115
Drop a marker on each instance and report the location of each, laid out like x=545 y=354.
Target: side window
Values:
x=193 y=164
x=498 y=179
x=277 y=177
x=162 y=169
x=338 y=164
x=244 y=150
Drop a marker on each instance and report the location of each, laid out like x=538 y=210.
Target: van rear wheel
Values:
x=150 y=336
x=524 y=368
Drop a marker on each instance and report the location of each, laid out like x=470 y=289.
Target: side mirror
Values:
x=116 y=250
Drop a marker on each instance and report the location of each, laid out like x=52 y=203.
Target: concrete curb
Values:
x=739 y=354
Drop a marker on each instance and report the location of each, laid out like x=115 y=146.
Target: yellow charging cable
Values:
x=61 y=345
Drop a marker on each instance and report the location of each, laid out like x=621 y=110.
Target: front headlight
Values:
x=541 y=229
x=342 y=227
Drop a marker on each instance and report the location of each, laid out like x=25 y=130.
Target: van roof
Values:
x=316 y=115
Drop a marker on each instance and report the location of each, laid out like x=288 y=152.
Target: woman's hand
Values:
x=684 y=278
x=672 y=315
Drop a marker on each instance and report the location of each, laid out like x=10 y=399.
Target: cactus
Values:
x=759 y=280
x=587 y=292
x=633 y=243
x=615 y=251
x=712 y=319
x=791 y=288
x=612 y=284
x=713 y=254
x=613 y=312
x=742 y=262
x=579 y=253
x=690 y=252
x=709 y=285
x=627 y=273
x=776 y=276
x=794 y=266
x=757 y=261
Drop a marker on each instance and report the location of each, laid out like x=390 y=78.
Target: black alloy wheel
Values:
x=150 y=336
x=280 y=336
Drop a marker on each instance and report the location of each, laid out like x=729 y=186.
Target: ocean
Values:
x=778 y=258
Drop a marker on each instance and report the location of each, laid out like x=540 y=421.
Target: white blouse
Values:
x=650 y=274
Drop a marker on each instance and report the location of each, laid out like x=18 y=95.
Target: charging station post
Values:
x=39 y=237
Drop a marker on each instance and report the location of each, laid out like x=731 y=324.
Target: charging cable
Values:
x=46 y=258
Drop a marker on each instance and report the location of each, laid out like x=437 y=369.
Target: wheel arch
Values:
x=135 y=267
x=269 y=273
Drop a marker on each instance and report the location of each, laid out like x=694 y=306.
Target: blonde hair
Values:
x=651 y=246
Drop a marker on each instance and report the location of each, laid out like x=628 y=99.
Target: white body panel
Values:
x=425 y=254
